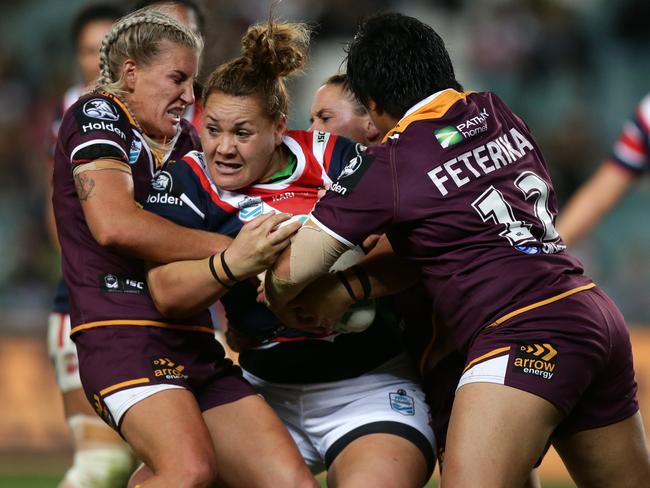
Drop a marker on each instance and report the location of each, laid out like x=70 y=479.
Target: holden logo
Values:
x=98 y=108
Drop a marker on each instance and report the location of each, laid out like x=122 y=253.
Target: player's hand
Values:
x=259 y=243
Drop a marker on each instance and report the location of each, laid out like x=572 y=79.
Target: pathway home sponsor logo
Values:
x=536 y=359
x=452 y=135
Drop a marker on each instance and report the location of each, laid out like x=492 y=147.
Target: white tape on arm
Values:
x=312 y=253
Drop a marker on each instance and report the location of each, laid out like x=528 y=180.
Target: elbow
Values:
x=108 y=235
x=165 y=304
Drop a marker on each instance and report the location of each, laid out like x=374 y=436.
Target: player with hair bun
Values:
x=159 y=382
x=351 y=401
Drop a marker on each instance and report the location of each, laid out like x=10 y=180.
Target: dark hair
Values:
x=94 y=13
x=341 y=80
x=270 y=53
x=397 y=61
x=190 y=4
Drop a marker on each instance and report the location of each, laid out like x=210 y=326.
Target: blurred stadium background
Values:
x=574 y=69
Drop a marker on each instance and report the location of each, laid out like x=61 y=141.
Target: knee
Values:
x=199 y=472
x=299 y=477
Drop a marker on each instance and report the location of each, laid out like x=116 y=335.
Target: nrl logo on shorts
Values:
x=402 y=403
x=536 y=359
x=98 y=108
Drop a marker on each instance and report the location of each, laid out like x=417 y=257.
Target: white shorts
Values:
x=63 y=352
x=323 y=418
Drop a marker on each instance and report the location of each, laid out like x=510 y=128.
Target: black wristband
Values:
x=226 y=269
x=342 y=278
x=364 y=280
x=214 y=272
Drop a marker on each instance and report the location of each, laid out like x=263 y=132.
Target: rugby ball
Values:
x=361 y=314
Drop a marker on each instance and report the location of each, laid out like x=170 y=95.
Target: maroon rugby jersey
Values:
x=460 y=187
x=106 y=287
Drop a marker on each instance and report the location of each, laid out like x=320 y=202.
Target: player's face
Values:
x=240 y=141
x=333 y=111
x=90 y=40
x=159 y=92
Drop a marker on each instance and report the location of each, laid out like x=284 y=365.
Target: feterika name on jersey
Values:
x=480 y=161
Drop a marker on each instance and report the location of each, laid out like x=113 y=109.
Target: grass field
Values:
x=45 y=471
x=50 y=481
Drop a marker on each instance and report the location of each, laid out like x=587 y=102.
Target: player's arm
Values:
x=310 y=255
x=183 y=288
x=593 y=200
x=105 y=190
x=381 y=272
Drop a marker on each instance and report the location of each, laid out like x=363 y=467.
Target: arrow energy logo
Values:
x=536 y=359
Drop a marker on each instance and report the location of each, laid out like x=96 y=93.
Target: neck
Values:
x=279 y=160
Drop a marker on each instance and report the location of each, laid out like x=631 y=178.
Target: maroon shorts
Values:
x=113 y=359
x=574 y=352
x=440 y=384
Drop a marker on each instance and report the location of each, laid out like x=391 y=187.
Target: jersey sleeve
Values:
x=632 y=149
x=96 y=128
x=177 y=194
x=362 y=200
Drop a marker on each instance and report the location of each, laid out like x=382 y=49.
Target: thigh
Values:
x=615 y=455
x=496 y=434
x=164 y=419
x=253 y=447
x=287 y=401
x=381 y=461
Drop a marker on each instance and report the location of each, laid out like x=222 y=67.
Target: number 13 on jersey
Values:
x=493 y=207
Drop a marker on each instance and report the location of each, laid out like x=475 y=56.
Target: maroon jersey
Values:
x=107 y=288
x=460 y=187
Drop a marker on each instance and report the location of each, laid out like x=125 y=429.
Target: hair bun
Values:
x=279 y=49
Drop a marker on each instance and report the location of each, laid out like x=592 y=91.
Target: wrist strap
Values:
x=225 y=267
x=214 y=272
x=364 y=280
x=343 y=279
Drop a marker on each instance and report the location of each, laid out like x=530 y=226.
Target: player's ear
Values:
x=373 y=107
x=129 y=74
x=371 y=132
x=280 y=128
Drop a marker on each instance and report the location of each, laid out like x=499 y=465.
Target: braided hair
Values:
x=138 y=36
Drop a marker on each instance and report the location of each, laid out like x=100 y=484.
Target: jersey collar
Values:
x=432 y=107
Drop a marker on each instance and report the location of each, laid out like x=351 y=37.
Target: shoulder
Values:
x=95 y=127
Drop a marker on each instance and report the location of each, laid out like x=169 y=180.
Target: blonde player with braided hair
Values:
x=163 y=384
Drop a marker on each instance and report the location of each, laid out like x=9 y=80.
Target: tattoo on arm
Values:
x=84 y=185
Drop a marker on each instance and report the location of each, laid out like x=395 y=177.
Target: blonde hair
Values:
x=271 y=52
x=138 y=36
